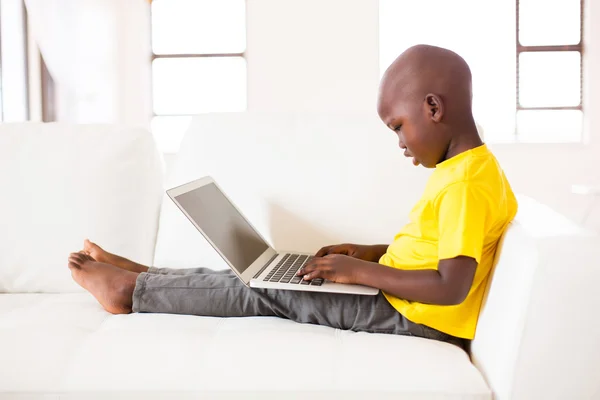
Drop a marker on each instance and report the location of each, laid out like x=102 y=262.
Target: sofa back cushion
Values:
x=503 y=313
x=303 y=180
x=62 y=183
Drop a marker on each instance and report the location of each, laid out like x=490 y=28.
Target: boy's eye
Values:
x=396 y=129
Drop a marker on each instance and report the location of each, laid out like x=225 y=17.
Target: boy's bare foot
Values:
x=111 y=286
x=103 y=256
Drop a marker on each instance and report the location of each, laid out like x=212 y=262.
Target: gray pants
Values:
x=212 y=293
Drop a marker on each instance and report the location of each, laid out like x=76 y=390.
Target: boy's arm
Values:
x=380 y=249
x=462 y=211
x=449 y=285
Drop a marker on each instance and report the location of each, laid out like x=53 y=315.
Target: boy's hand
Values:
x=334 y=267
x=362 y=252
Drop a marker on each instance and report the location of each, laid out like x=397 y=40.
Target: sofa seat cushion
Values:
x=67 y=344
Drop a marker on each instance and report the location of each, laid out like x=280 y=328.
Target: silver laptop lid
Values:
x=223 y=226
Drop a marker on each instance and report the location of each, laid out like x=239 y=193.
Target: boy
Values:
x=432 y=276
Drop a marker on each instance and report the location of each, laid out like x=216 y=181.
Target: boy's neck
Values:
x=467 y=139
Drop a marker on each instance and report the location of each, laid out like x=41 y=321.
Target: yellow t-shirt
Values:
x=466 y=207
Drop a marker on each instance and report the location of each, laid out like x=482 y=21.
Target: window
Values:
x=549 y=73
x=14 y=105
x=198 y=63
x=525 y=56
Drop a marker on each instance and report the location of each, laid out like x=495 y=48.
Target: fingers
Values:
x=315 y=268
x=306 y=269
x=310 y=266
x=324 y=251
x=335 y=249
x=314 y=275
x=311 y=272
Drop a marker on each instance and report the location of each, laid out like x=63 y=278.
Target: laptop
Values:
x=242 y=247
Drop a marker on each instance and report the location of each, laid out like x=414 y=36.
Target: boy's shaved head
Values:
x=426 y=69
x=425 y=96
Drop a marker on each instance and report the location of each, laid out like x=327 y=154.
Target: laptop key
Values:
x=305 y=282
x=296 y=279
x=281 y=265
x=317 y=282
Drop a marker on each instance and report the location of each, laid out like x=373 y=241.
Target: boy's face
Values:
x=417 y=130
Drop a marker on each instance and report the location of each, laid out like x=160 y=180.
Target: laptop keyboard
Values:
x=286 y=268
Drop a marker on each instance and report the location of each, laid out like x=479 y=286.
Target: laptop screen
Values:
x=224 y=225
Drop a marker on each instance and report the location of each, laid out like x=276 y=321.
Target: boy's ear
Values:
x=434 y=107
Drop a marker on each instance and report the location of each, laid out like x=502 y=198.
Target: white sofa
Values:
x=304 y=181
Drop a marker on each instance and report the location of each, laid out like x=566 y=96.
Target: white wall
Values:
x=312 y=55
x=316 y=55
x=134 y=90
x=322 y=55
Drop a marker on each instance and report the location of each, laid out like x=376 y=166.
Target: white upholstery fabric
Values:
x=67 y=345
x=559 y=353
x=500 y=326
x=62 y=183
x=497 y=347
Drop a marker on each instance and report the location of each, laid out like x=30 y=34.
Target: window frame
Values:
x=155 y=56
x=519 y=48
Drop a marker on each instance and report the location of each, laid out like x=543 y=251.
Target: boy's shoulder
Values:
x=476 y=168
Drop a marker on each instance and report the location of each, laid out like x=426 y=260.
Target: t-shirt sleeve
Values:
x=462 y=211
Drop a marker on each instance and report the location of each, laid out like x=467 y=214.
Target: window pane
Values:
x=490 y=53
x=543 y=22
x=549 y=126
x=199 y=85
x=198 y=26
x=548 y=79
x=169 y=131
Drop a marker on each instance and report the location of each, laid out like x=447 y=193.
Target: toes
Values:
x=87 y=246
x=77 y=258
x=73 y=265
x=80 y=258
x=74 y=258
x=90 y=247
x=75 y=261
x=86 y=257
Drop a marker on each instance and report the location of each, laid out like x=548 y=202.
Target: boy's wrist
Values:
x=364 y=275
